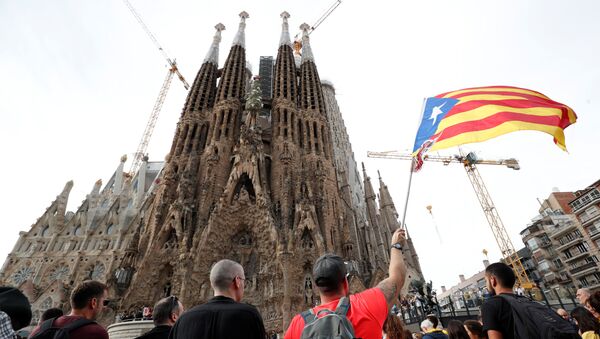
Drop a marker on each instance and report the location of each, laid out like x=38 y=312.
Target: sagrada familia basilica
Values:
x=265 y=177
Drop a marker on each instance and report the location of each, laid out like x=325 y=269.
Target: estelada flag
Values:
x=481 y=113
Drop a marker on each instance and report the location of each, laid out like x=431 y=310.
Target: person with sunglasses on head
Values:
x=165 y=313
x=223 y=316
x=88 y=300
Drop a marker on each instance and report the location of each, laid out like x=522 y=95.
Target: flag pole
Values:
x=412 y=166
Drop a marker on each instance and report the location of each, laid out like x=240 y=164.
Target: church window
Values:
x=300 y=134
x=97 y=271
x=45 y=231
x=59 y=273
x=306 y=240
x=22 y=275
x=316 y=136
x=110 y=229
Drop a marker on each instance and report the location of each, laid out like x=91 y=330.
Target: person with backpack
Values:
x=506 y=315
x=360 y=315
x=88 y=300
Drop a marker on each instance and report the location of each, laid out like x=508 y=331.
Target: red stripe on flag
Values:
x=515 y=103
x=496 y=120
x=476 y=88
x=523 y=95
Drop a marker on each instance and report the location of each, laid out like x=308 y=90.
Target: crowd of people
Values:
x=368 y=314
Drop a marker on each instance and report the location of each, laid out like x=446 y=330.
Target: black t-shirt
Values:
x=496 y=314
x=158 y=332
x=222 y=318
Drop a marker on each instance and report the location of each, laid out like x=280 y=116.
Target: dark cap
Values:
x=329 y=272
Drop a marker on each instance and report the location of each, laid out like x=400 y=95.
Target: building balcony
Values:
x=569 y=243
x=582 y=207
x=576 y=256
x=595 y=234
x=588 y=220
x=545 y=244
x=584 y=269
x=568 y=227
x=593 y=285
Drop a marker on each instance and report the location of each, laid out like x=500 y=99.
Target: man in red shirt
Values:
x=88 y=300
x=368 y=309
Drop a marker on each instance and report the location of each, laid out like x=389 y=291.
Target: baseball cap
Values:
x=329 y=271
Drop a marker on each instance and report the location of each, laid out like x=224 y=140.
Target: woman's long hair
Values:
x=456 y=330
x=585 y=320
x=393 y=327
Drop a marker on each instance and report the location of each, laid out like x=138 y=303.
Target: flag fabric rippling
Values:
x=481 y=113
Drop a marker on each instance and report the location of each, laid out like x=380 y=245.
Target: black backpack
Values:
x=535 y=320
x=47 y=331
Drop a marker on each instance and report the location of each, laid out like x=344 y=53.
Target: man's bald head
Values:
x=223 y=273
x=563 y=313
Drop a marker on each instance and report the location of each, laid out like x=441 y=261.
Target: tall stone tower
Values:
x=271 y=186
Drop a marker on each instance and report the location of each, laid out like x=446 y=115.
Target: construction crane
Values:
x=298 y=37
x=143 y=145
x=470 y=162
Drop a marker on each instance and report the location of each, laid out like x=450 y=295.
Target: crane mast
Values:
x=469 y=162
x=143 y=145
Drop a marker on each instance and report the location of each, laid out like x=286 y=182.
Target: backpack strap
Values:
x=343 y=306
x=47 y=324
x=308 y=316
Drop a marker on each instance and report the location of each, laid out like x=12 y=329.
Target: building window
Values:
x=582 y=248
x=532 y=244
x=583 y=281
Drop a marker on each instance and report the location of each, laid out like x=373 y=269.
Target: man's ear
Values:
x=93 y=303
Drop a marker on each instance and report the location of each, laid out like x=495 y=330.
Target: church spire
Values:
x=311 y=93
x=202 y=95
x=307 y=54
x=285 y=30
x=370 y=200
x=232 y=84
x=284 y=84
x=240 y=37
x=213 y=53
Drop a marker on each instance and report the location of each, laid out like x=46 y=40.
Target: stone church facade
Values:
x=272 y=192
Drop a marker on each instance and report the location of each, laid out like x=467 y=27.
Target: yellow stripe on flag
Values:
x=485 y=111
x=507 y=127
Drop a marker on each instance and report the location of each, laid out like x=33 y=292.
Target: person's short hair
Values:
x=434 y=320
x=86 y=291
x=329 y=272
x=164 y=308
x=16 y=305
x=223 y=272
x=474 y=327
x=594 y=301
x=51 y=313
x=585 y=319
x=427 y=325
x=503 y=273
